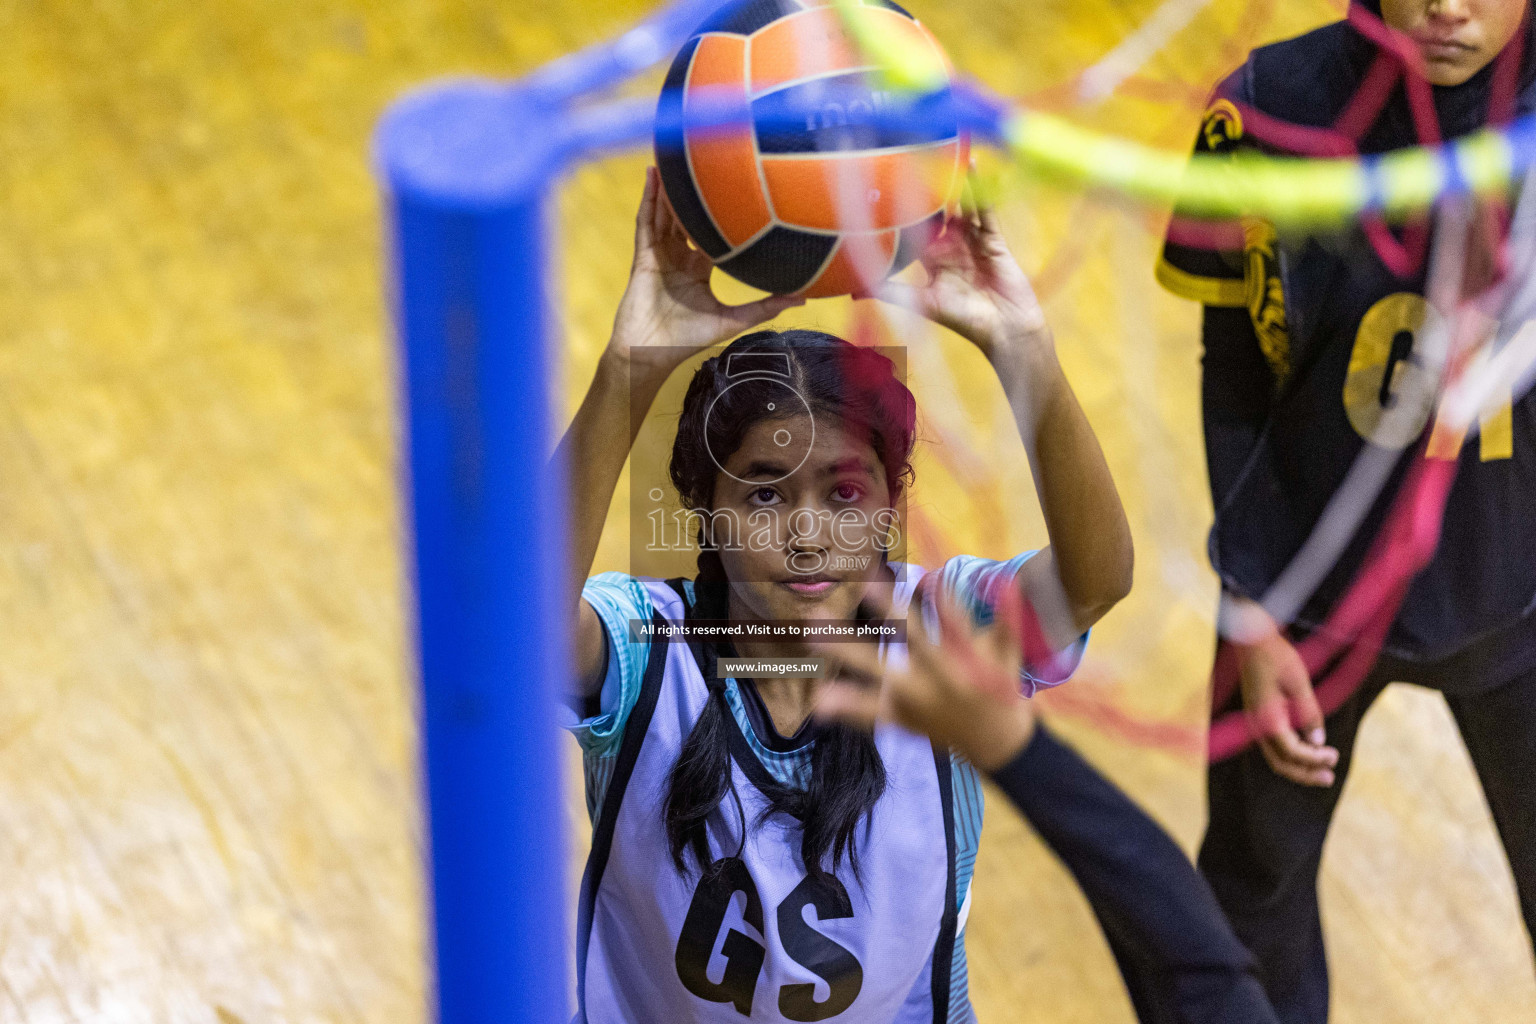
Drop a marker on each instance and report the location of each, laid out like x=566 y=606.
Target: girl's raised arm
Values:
x=977 y=290
x=667 y=314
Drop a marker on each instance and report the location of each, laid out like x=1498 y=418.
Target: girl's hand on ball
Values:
x=668 y=311
x=976 y=288
x=960 y=687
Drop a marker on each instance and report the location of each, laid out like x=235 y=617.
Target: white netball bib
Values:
x=762 y=942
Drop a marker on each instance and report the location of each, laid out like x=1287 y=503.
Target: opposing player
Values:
x=1308 y=345
x=748 y=862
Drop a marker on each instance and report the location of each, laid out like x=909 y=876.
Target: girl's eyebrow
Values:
x=852 y=464
x=772 y=470
x=777 y=471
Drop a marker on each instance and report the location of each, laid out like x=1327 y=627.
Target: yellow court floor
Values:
x=207 y=748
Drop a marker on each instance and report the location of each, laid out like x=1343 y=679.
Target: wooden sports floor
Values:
x=208 y=804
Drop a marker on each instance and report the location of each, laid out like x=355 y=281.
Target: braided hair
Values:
x=859 y=388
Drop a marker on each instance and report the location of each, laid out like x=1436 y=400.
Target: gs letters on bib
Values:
x=754 y=936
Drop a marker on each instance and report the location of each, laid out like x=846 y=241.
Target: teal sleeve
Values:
x=616 y=598
x=970 y=578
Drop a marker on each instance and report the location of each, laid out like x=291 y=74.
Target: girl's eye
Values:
x=764 y=496
x=848 y=492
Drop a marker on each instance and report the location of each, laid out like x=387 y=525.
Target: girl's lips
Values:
x=812 y=588
x=1441 y=48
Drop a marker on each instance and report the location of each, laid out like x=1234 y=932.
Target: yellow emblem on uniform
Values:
x=1222 y=126
x=1266 y=297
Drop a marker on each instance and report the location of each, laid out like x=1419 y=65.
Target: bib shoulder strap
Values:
x=944 y=947
x=704 y=653
x=602 y=837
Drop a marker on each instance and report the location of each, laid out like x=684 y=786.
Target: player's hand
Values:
x=1278 y=698
x=960 y=687
x=976 y=288
x=669 y=311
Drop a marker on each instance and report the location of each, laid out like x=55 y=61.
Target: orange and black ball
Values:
x=821 y=190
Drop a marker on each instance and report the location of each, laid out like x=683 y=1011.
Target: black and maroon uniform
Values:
x=1309 y=341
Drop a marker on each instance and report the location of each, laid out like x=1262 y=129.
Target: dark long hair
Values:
x=859 y=388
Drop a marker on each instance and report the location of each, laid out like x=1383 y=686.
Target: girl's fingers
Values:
x=1291 y=760
x=968 y=196
x=961 y=659
x=670 y=238
x=670 y=222
x=876 y=602
x=954 y=624
x=862 y=659
x=978 y=201
x=658 y=206
x=966 y=262
x=906 y=296
x=850 y=703
x=924 y=650
x=750 y=314
x=986 y=219
x=952 y=242
x=645 y=217
x=666 y=217
x=928 y=587
x=960 y=640
x=1284 y=748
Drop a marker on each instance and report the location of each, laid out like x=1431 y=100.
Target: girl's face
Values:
x=1457 y=38
x=809 y=536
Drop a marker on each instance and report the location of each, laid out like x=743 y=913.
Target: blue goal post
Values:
x=468 y=169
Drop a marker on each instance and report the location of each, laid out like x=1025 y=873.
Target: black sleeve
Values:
x=1236 y=391
x=1179 y=957
x=1238 y=289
